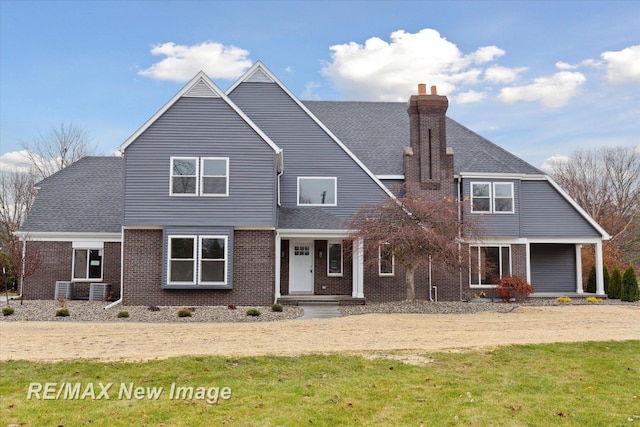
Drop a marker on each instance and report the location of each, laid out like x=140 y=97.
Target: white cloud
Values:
x=623 y=66
x=15 y=161
x=553 y=92
x=183 y=62
x=310 y=91
x=390 y=71
x=498 y=74
x=550 y=162
x=561 y=65
x=469 y=97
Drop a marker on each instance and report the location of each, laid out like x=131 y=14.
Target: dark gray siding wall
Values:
x=496 y=224
x=545 y=213
x=553 y=267
x=308 y=150
x=200 y=127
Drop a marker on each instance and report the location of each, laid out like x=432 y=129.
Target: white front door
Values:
x=300 y=267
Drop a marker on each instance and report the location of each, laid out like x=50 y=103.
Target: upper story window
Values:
x=317 y=191
x=194 y=176
x=496 y=197
x=87 y=264
x=215 y=173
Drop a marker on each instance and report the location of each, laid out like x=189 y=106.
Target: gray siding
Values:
x=553 y=267
x=308 y=150
x=545 y=213
x=200 y=127
x=496 y=224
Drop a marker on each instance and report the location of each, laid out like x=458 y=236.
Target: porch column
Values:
x=527 y=249
x=358 y=269
x=579 y=288
x=599 y=273
x=278 y=261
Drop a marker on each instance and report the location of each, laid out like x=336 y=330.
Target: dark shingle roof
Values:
x=308 y=217
x=84 y=197
x=377 y=132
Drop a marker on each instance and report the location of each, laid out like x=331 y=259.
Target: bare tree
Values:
x=58 y=148
x=606 y=184
x=416 y=230
x=16 y=197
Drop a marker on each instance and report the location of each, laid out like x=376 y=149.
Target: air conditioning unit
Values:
x=99 y=291
x=64 y=289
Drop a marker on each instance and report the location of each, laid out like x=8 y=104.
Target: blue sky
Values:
x=538 y=78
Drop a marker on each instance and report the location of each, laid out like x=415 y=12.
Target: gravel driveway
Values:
x=366 y=333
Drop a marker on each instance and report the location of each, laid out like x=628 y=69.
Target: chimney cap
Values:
x=434 y=90
x=422 y=89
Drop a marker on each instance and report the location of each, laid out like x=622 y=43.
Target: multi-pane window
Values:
x=203 y=257
x=386 y=261
x=489 y=264
x=87 y=264
x=317 y=191
x=194 y=176
x=334 y=259
x=215 y=172
x=487 y=197
x=184 y=176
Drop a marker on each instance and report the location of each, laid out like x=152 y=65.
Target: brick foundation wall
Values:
x=57 y=262
x=253 y=272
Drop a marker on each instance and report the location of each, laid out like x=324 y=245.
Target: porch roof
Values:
x=309 y=218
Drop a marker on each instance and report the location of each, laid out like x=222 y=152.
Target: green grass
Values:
x=581 y=384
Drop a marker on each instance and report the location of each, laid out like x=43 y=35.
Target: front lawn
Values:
x=581 y=384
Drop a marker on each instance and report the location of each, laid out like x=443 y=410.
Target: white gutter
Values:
x=119 y=300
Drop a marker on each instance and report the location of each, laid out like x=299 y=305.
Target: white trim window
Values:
x=317 y=191
x=87 y=264
x=488 y=264
x=503 y=197
x=488 y=197
x=182 y=260
x=197 y=257
x=386 y=260
x=215 y=176
x=213 y=260
x=184 y=176
x=334 y=259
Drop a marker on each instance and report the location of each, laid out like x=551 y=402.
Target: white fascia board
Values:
x=255 y=227
x=261 y=66
x=390 y=177
x=565 y=240
x=201 y=76
x=142 y=227
x=311 y=233
x=68 y=237
x=489 y=241
x=487 y=175
x=576 y=206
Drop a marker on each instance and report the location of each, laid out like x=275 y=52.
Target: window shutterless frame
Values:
x=334 y=259
x=503 y=197
x=181 y=266
x=386 y=260
x=183 y=176
x=214 y=176
x=317 y=191
x=87 y=264
x=212 y=260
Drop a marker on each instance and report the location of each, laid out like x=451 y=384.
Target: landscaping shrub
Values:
x=630 y=291
x=615 y=284
x=63 y=312
x=606 y=278
x=231 y=307
x=594 y=300
x=7 y=311
x=253 y=312
x=277 y=308
x=184 y=313
x=153 y=308
x=514 y=287
x=591 y=281
x=564 y=300
x=123 y=314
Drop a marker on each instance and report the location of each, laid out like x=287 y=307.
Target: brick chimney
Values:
x=427 y=161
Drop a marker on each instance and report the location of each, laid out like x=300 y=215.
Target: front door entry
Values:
x=300 y=267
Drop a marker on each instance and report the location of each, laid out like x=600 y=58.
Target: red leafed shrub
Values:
x=514 y=287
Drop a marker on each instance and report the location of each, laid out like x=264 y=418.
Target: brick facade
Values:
x=57 y=261
x=253 y=272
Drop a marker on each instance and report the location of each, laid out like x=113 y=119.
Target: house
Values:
x=241 y=197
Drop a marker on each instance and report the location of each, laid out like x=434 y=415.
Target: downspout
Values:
x=430 y=283
x=278 y=242
x=119 y=300
x=459 y=237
